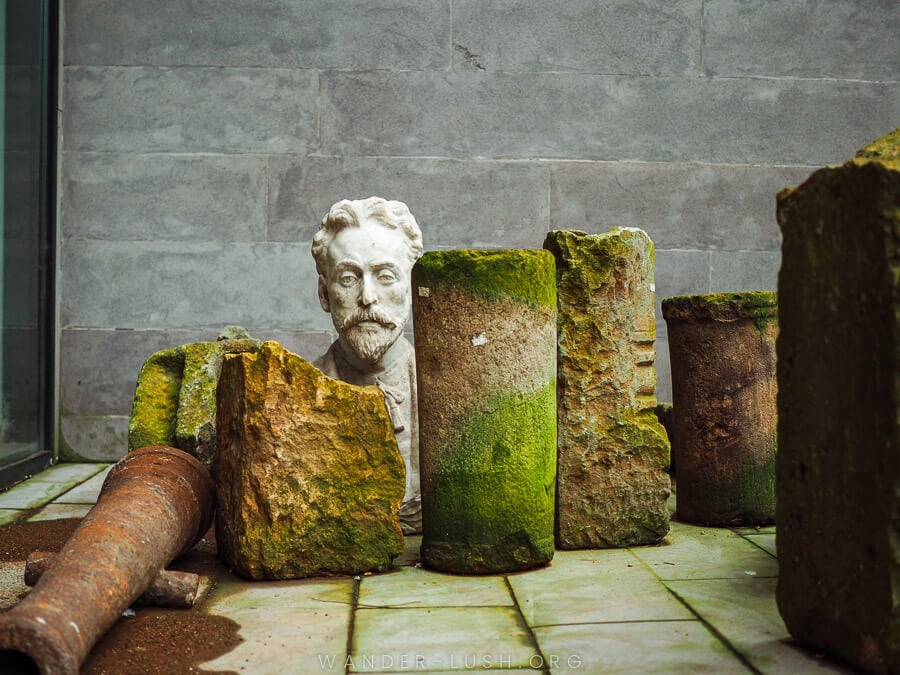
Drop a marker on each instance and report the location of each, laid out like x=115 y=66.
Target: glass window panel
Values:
x=24 y=232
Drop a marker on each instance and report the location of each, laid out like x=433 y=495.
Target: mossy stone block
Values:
x=838 y=467
x=613 y=458
x=309 y=478
x=175 y=397
x=155 y=407
x=485 y=353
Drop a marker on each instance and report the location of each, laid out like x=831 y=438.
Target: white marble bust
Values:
x=364 y=251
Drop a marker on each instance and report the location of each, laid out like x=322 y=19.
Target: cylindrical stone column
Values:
x=722 y=349
x=485 y=332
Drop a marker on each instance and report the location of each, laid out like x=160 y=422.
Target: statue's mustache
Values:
x=371 y=315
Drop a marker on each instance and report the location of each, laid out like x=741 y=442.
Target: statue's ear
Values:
x=323 y=294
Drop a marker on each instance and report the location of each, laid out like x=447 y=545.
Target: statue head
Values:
x=365 y=250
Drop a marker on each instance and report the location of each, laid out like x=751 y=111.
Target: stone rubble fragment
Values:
x=309 y=478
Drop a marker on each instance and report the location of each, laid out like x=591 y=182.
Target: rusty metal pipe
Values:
x=156 y=503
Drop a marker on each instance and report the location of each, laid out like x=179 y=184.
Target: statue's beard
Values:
x=370 y=342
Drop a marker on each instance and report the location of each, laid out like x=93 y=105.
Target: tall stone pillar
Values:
x=612 y=483
x=722 y=348
x=485 y=331
x=838 y=471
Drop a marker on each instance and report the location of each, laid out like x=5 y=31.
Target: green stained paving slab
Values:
x=765 y=541
x=415 y=587
x=233 y=594
x=87 y=492
x=594 y=586
x=287 y=641
x=33 y=493
x=57 y=511
x=9 y=516
x=744 y=612
x=769 y=529
x=440 y=638
x=410 y=556
x=69 y=473
x=48 y=485
x=501 y=669
x=287 y=627
x=643 y=647
x=697 y=552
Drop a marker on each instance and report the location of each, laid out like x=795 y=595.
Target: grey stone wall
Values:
x=203 y=141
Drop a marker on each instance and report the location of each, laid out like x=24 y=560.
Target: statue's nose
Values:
x=368 y=296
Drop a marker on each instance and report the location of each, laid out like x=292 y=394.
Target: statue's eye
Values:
x=387 y=277
x=347 y=279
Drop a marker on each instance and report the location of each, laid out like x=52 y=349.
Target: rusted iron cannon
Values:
x=156 y=502
x=168 y=588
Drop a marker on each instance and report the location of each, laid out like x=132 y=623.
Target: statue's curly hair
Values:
x=393 y=215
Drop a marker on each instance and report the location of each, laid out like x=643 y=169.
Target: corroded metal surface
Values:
x=169 y=588
x=156 y=502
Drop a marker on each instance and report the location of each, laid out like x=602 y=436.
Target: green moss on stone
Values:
x=154 y=412
x=748 y=498
x=175 y=397
x=886 y=149
x=490 y=505
x=642 y=431
x=838 y=391
x=586 y=261
x=761 y=307
x=195 y=430
x=521 y=274
x=734 y=300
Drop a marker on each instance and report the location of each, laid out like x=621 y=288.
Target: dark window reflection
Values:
x=25 y=232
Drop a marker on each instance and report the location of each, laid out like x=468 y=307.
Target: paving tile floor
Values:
x=701 y=602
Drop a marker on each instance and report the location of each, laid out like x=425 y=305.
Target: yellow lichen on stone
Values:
x=175 y=397
x=153 y=412
x=613 y=453
x=309 y=476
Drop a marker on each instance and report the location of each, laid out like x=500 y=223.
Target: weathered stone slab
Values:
x=175 y=396
x=612 y=482
x=455 y=116
x=309 y=477
x=486 y=364
x=149 y=109
x=156 y=273
x=838 y=470
x=722 y=347
x=625 y=37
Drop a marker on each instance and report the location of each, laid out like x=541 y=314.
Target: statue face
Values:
x=367 y=288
